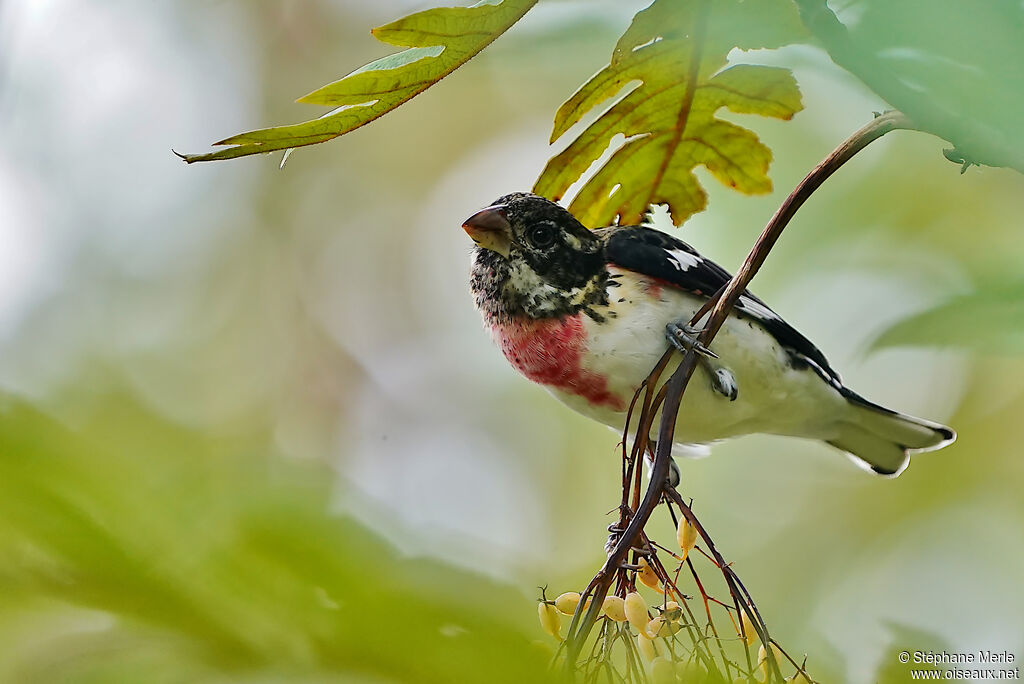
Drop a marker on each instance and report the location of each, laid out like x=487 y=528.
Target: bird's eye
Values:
x=541 y=235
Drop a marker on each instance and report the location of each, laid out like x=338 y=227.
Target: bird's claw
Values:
x=684 y=338
x=613 y=540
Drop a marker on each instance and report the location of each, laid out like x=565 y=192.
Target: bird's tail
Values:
x=883 y=439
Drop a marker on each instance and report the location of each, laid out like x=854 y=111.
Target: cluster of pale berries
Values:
x=633 y=609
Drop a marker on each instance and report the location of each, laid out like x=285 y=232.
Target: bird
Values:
x=588 y=313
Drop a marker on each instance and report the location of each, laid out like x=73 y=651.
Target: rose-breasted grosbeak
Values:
x=587 y=313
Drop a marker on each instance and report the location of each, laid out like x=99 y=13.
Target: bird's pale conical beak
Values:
x=490 y=229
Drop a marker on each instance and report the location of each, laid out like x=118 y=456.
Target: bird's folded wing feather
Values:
x=659 y=255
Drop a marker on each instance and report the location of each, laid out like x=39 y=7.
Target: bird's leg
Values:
x=674 y=477
x=616 y=529
x=683 y=337
x=614 y=532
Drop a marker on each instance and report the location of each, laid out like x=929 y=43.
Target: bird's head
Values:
x=534 y=258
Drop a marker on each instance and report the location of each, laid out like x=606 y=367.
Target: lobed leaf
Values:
x=667 y=72
x=439 y=41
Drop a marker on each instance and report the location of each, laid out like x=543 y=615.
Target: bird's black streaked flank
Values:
x=587 y=313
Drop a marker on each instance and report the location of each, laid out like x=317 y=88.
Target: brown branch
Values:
x=580 y=627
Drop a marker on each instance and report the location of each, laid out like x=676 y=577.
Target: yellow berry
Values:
x=566 y=603
x=635 y=609
x=662 y=671
x=615 y=608
x=686 y=535
x=762 y=660
x=799 y=678
x=550 y=620
x=660 y=627
x=648 y=649
x=747 y=631
x=647 y=575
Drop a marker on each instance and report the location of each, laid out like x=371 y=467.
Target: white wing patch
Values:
x=836 y=381
x=683 y=261
x=757 y=309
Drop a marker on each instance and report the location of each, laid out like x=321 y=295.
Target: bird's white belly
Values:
x=774 y=396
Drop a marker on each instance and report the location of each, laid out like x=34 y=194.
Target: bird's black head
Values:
x=534 y=258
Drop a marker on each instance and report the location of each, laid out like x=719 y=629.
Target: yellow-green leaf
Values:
x=670 y=63
x=439 y=41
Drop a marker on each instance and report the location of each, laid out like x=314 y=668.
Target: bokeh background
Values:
x=254 y=431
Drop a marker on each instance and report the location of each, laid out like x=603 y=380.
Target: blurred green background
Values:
x=254 y=431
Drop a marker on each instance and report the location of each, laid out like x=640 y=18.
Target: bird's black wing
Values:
x=658 y=255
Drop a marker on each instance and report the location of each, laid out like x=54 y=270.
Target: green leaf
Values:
x=211 y=558
x=670 y=61
x=439 y=41
x=989 y=320
x=952 y=67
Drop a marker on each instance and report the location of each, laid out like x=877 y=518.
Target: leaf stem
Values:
x=693 y=74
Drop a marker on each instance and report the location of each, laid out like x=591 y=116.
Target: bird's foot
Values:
x=683 y=337
x=674 y=477
x=614 y=534
x=616 y=530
